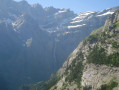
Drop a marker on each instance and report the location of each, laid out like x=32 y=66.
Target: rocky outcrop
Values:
x=96 y=75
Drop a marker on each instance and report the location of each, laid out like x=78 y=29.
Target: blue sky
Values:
x=78 y=5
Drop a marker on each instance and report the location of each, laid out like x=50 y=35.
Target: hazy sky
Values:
x=78 y=5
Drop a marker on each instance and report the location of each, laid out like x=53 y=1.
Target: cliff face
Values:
x=35 y=41
x=94 y=64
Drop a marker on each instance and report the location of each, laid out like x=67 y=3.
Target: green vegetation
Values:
x=99 y=56
x=116 y=25
x=105 y=36
x=97 y=31
x=52 y=83
x=85 y=88
x=102 y=36
x=115 y=45
x=36 y=86
x=45 y=85
x=109 y=86
x=114 y=34
x=113 y=59
x=93 y=37
x=76 y=69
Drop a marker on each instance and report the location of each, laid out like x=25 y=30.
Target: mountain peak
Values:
x=37 y=5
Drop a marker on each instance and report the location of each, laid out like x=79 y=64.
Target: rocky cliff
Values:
x=94 y=64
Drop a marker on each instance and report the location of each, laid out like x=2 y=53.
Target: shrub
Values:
x=115 y=45
x=85 y=88
x=76 y=69
x=116 y=25
x=99 y=56
x=52 y=83
x=109 y=86
x=93 y=38
x=114 y=59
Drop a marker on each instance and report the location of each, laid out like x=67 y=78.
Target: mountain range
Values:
x=35 y=41
x=93 y=65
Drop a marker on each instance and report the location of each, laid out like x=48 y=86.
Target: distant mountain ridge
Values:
x=36 y=41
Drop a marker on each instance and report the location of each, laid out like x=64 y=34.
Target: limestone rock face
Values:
x=94 y=63
x=97 y=75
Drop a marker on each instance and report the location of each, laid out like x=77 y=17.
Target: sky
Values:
x=77 y=5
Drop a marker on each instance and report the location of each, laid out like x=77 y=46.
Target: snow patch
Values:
x=61 y=11
x=88 y=13
x=29 y=42
x=65 y=33
x=14 y=24
x=83 y=15
x=76 y=21
x=107 y=13
x=77 y=26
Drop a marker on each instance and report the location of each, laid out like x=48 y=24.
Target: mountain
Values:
x=35 y=41
x=93 y=65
